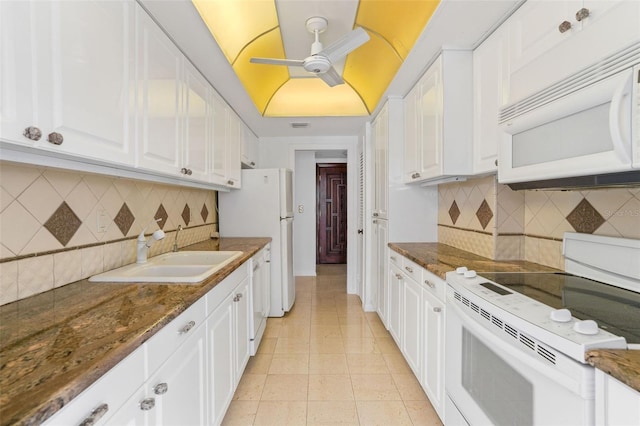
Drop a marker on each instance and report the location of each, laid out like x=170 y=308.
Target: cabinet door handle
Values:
x=189 y=172
x=161 y=388
x=255 y=267
x=253 y=163
x=393 y=258
x=32 y=133
x=582 y=14
x=55 y=138
x=95 y=415
x=430 y=284
x=437 y=309
x=183 y=170
x=398 y=276
x=410 y=270
x=415 y=175
x=564 y=26
x=239 y=296
x=187 y=327
x=230 y=182
x=147 y=404
x=496 y=163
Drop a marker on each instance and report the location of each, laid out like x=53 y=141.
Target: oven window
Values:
x=505 y=396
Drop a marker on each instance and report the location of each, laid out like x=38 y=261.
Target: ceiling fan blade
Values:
x=271 y=61
x=331 y=77
x=346 y=44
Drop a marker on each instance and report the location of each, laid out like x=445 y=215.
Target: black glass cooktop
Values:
x=615 y=309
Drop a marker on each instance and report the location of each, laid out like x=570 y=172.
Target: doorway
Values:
x=331 y=214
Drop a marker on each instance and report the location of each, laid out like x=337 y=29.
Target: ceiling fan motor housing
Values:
x=317 y=64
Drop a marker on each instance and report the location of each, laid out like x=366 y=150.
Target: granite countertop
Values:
x=438 y=258
x=441 y=258
x=622 y=364
x=55 y=344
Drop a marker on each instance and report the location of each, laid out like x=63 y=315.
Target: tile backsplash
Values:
x=489 y=219
x=60 y=226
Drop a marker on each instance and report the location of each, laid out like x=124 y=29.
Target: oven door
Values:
x=492 y=380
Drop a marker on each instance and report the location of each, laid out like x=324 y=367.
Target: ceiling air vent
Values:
x=299 y=125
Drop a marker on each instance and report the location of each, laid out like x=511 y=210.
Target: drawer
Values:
x=167 y=340
x=412 y=269
x=220 y=292
x=434 y=284
x=106 y=395
x=395 y=258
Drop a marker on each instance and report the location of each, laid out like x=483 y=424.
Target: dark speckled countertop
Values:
x=624 y=365
x=55 y=344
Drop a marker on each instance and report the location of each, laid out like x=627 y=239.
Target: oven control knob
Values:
x=461 y=270
x=470 y=274
x=586 y=327
x=561 y=315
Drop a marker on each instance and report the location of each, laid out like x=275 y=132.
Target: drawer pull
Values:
x=437 y=309
x=95 y=415
x=187 y=327
x=564 y=27
x=410 y=270
x=161 y=388
x=430 y=284
x=582 y=14
x=147 y=404
x=393 y=258
x=398 y=276
x=32 y=133
x=415 y=175
x=255 y=267
x=55 y=138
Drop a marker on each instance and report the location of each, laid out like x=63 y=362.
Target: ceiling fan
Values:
x=320 y=62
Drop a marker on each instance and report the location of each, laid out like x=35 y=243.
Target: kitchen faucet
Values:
x=144 y=244
x=175 y=242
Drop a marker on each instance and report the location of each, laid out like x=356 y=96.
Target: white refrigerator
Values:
x=263 y=207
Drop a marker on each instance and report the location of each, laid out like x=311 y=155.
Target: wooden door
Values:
x=332 y=213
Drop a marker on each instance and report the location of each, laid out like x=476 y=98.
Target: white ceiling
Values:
x=455 y=24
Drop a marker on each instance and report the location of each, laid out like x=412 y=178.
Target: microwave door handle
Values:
x=619 y=146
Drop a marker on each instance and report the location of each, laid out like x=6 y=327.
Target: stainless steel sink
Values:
x=180 y=267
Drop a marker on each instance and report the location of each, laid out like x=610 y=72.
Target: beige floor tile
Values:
x=285 y=387
x=378 y=330
x=324 y=318
x=240 y=413
x=332 y=413
x=422 y=413
x=250 y=387
x=287 y=345
x=290 y=363
x=267 y=345
x=366 y=364
x=349 y=317
x=325 y=331
x=326 y=345
x=330 y=387
x=409 y=387
x=360 y=345
x=328 y=364
x=258 y=364
x=281 y=413
x=294 y=331
x=387 y=345
x=397 y=364
x=361 y=330
x=374 y=387
x=382 y=413
x=272 y=331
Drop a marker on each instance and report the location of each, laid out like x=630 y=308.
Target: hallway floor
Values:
x=328 y=362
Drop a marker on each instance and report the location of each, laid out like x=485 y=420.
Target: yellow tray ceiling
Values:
x=249 y=28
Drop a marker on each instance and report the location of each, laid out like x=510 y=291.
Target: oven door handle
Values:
x=512 y=351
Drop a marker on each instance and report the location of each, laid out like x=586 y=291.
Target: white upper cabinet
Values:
x=551 y=40
x=438 y=120
x=233 y=150
x=249 y=149
x=220 y=125
x=490 y=93
x=61 y=75
x=198 y=124
x=380 y=134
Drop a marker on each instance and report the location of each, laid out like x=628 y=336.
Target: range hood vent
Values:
x=609 y=180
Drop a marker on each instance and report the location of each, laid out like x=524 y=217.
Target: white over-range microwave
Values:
x=585 y=126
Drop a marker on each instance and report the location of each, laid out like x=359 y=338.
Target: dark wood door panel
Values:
x=332 y=213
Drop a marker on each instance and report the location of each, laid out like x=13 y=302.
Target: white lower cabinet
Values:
x=416 y=322
x=616 y=403
x=186 y=374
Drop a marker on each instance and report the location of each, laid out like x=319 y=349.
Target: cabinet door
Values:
x=412 y=165
x=197 y=123
x=221 y=359
x=159 y=98
x=242 y=315
x=220 y=129
x=490 y=92
x=381 y=170
x=180 y=385
x=433 y=354
x=233 y=150
x=431 y=121
x=381 y=266
x=249 y=148
x=396 y=283
x=616 y=403
x=412 y=329
x=139 y=410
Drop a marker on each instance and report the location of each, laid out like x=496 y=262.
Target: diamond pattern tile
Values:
x=186 y=214
x=204 y=212
x=161 y=214
x=585 y=218
x=454 y=212
x=124 y=219
x=484 y=214
x=63 y=223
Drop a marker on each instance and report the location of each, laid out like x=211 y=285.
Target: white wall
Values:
x=282 y=152
x=304 y=224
